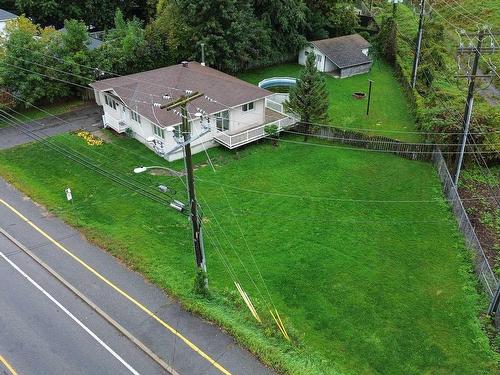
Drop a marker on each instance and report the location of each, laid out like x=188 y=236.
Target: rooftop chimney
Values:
x=203 y=54
x=185 y=64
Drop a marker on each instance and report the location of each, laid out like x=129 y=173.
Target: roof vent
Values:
x=185 y=64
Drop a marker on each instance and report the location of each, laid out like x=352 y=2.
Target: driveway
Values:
x=38 y=336
x=88 y=117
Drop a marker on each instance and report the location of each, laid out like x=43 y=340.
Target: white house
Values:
x=4 y=18
x=343 y=56
x=236 y=111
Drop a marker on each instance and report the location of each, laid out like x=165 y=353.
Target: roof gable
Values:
x=5 y=15
x=344 y=51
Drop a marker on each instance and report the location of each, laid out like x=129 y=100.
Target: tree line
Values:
x=146 y=34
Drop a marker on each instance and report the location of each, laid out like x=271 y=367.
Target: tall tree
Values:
x=342 y=20
x=286 y=19
x=126 y=50
x=36 y=61
x=97 y=13
x=25 y=68
x=234 y=38
x=309 y=97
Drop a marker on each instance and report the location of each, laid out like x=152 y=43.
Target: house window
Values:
x=159 y=132
x=247 y=107
x=135 y=116
x=319 y=58
x=222 y=120
x=110 y=102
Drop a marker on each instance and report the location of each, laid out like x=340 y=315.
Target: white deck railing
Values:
x=113 y=123
x=250 y=135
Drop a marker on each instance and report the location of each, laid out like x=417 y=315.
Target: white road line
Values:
x=75 y=319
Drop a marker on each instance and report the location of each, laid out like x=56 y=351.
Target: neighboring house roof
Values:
x=139 y=91
x=93 y=43
x=344 y=51
x=4 y=15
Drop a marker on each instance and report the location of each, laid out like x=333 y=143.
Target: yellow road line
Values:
x=123 y=293
x=7 y=365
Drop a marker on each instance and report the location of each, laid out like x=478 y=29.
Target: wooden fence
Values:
x=408 y=150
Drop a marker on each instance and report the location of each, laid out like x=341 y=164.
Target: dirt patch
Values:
x=105 y=136
x=483 y=213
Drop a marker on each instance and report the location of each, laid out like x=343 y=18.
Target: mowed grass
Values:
x=365 y=284
x=389 y=114
x=55 y=109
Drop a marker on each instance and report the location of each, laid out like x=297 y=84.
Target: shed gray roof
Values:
x=92 y=44
x=139 y=90
x=4 y=15
x=344 y=51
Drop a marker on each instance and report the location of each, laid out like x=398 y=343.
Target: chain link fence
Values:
x=481 y=264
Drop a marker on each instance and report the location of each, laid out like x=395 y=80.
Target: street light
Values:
x=394 y=3
x=144 y=169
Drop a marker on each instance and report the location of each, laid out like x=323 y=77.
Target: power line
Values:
x=82 y=160
x=370 y=150
x=319 y=198
x=373 y=140
x=214 y=100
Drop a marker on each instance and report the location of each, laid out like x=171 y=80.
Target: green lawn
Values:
x=364 y=287
x=389 y=112
x=55 y=109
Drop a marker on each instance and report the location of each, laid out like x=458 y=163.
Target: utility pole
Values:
x=469 y=102
x=419 y=44
x=199 y=250
x=369 y=97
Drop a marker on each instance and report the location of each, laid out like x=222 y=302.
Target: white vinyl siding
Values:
x=159 y=132
x=135 y=116
x=110 y=102
x=247 y=107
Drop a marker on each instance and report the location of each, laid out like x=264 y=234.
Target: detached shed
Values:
x=344 y=56
x=5 y=16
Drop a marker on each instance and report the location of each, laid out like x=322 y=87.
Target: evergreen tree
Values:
x=309 y=97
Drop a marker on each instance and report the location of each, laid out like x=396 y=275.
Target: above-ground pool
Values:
x=277 y=82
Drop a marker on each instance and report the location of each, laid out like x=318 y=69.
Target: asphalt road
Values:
x=38 y=337
x=88 y=118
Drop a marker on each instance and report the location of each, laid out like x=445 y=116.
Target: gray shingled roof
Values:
x=4 y=15
x=344 y=51
x=138 y=91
